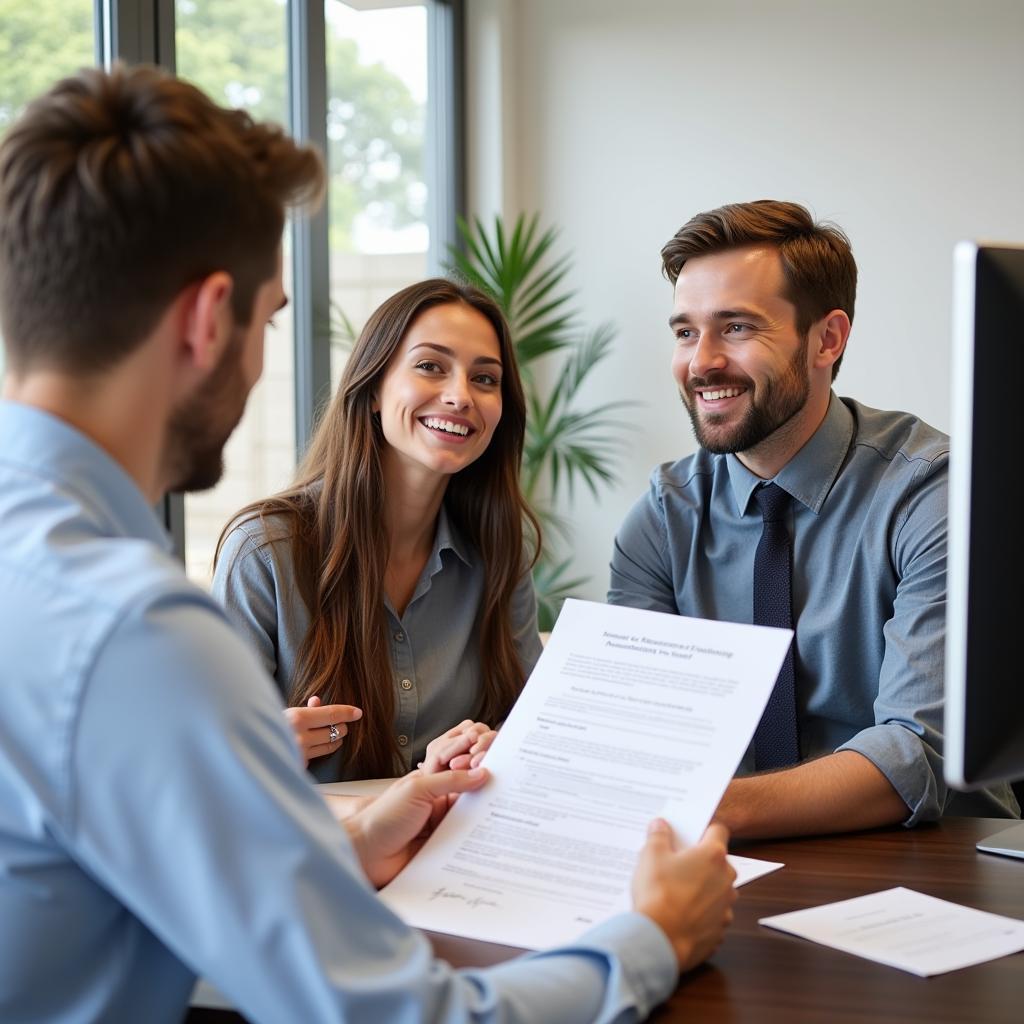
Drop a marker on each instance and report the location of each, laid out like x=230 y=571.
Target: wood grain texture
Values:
x=762 y=976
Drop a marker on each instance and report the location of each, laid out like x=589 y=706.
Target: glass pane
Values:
x=236 y=50
x=377 y=101
x=39 y=44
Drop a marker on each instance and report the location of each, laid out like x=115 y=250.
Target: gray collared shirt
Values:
x=868 y=523
x=434 y=647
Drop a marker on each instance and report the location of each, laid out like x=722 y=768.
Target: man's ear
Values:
x=828 y=339
x=208 y=320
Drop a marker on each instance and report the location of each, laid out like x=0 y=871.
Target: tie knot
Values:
x=773 y=502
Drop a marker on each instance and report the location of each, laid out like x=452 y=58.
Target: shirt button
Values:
x=403 y=740
x=406 y=684
x=399 y=636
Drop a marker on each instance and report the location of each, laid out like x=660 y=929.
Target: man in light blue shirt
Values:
x=764 y=299
x=155 y=819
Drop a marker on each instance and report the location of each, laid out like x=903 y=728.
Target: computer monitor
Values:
x=984 y=723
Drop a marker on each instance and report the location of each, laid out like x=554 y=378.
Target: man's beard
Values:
x=200 y=427
x=780 y=400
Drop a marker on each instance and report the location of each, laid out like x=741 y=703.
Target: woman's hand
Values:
x=463 y=746
x=321 y=728
x=391 y=828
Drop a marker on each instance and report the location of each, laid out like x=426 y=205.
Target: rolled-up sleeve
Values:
x=906 y=742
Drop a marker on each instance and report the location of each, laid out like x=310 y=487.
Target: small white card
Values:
x=908 y=930
x=747 y=868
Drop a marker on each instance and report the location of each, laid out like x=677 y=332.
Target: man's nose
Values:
x=707 y=355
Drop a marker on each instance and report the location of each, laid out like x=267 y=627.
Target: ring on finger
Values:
x=335 y=733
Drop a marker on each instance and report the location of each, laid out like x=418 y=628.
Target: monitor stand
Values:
x=1009 y=842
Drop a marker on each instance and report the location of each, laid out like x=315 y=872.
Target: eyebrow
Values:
x=444 y=350
x=722 y=314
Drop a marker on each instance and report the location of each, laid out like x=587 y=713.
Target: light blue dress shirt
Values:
x=155 y=820
x=436 y=676
x=868 y=523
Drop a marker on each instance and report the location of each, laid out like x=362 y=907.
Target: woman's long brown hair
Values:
x=333 y=515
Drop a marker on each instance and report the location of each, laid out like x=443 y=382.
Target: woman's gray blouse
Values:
x=434 y=646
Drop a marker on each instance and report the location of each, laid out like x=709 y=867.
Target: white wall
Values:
x=902 y=120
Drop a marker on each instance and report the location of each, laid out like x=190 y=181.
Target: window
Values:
x=364 y=68
x=237 y=52
x=376 y=129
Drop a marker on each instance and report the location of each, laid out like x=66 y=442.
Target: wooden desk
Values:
x=762 y=976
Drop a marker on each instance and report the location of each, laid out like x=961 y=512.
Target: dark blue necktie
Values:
x=775 y=741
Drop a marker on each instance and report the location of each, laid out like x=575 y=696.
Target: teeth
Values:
x=447 y=426
x=713 y=396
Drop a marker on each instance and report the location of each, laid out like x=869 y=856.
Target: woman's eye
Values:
x=429 y=365
x=487 y=378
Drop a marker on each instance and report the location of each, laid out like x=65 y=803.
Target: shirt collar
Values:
x=809 y=475
x=448 y=538
x=45 y=446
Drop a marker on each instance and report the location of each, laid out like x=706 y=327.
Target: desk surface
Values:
x=764 y=976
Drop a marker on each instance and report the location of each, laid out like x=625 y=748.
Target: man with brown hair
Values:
x=155 y=818
x=806 y=511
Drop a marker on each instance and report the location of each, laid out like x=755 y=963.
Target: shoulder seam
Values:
x=256 y=542
x=694 y=472
x=909 y=459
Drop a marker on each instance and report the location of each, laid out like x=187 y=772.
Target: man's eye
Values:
x=272 y=323
x=685 y=334
x=737 y=328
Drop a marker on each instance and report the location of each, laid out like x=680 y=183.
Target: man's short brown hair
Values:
x=117 y=190
x=817 y=261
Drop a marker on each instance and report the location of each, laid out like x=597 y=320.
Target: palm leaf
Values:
x=549 y=310
x=590 y=351
x=539 y=287
x=553 y=585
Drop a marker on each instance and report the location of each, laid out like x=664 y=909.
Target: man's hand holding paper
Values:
x=688 y=893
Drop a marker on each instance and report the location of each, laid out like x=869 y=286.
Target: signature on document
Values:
x=471 y=901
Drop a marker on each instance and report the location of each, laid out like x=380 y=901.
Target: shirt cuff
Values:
x=649 y=965
x=903 y=759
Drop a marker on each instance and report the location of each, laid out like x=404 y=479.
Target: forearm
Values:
x=841 y=792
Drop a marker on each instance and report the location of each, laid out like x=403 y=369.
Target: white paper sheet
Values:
x=628 y=715
x=907 y=929
x=748 y=868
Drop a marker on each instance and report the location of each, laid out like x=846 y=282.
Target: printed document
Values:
x=908 y=930
x=629 y=715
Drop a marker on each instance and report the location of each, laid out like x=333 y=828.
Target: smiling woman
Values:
x=440 y=399
x=388 y=589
